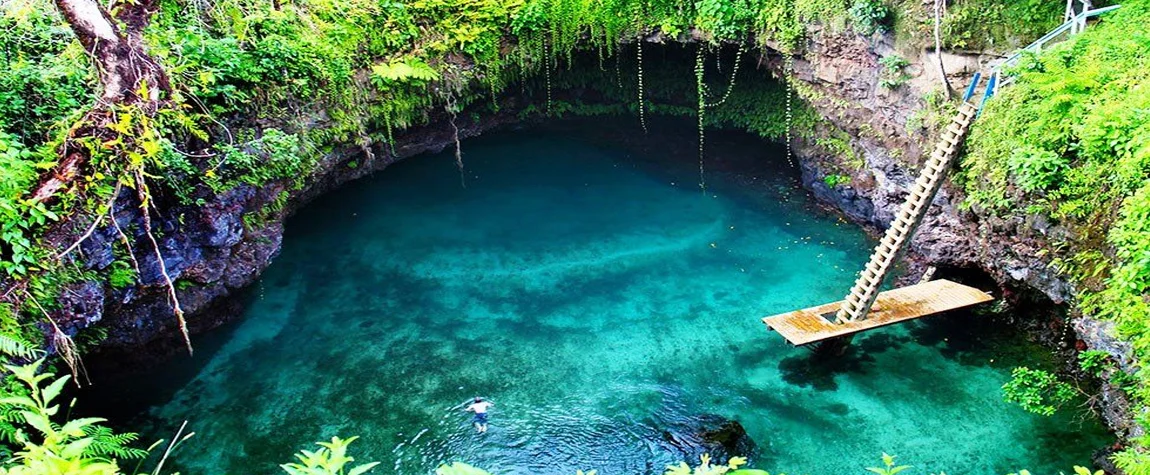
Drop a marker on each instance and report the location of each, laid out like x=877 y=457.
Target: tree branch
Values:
x=939 y=6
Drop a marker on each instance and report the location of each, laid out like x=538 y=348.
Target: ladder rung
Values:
x=894 y=248
x=920 y=205
x=887 y=253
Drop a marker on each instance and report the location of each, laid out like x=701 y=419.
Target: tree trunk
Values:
x=120 y=59
x=125 y=71
x=938 y=7
x=130 y=77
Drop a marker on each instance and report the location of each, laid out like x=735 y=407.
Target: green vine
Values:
x=547 y=71
x=701 y=93
x=734 y=74
x=642 y=102
x=788 y=71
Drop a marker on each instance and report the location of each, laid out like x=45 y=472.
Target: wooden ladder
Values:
x=897 y=238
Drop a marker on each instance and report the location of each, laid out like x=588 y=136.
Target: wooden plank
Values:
x=802 y=327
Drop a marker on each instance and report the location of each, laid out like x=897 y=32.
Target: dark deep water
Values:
x=583 y=282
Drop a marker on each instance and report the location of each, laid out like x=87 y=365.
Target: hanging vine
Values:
x=390 y=128
x=494 y=83
x=734 y=74
x=788 y=71
x=547 y=71
x=642 y=105
x=618 y=72
x=453 y=109
x=701 y=92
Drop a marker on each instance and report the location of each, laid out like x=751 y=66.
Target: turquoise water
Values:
x=584 y=283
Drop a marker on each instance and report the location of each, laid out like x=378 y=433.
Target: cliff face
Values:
x=844 y=75
x=213 y=250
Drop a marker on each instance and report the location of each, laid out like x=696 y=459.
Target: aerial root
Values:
x=141 y=190
x=91 y=229
x=65 y=346
x=455 y=135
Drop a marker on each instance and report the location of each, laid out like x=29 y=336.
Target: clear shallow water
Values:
x=592 y=291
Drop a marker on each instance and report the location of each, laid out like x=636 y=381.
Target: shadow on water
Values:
x=818 y=371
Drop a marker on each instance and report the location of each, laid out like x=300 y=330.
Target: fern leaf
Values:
x=14 y=346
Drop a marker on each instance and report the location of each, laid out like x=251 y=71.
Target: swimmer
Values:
x=479 y=407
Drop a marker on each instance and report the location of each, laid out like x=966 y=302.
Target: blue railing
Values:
x=973 y=85
x=1073 y=25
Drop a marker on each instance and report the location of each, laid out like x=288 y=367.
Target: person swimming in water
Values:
x=480 y=407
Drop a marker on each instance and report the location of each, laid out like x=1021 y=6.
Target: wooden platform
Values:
x=802 y=327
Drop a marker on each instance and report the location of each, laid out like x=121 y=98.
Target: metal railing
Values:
x=997 y=79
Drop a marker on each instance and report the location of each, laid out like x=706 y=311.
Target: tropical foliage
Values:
x=1037 y=391
x=1069 y=142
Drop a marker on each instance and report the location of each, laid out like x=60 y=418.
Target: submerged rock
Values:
x=712 y=434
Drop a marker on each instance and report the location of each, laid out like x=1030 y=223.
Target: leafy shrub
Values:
x=1035 y=169
x=76 y=446
x=1093 y=361
x=888 y=468
x=121 y=274
x=1037 y=391
x=892 y=75
x=724 y=19
x=869 y=16
x=994 y=24
x=833 y=180
x=275 y=155
x=46 y=78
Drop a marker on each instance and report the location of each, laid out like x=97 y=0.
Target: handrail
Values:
x=973 y=85
x=1071 y=23
x=991 y=84
x=998 y=80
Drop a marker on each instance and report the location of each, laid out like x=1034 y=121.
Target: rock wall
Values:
x=212 y=252
x=843 y=73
